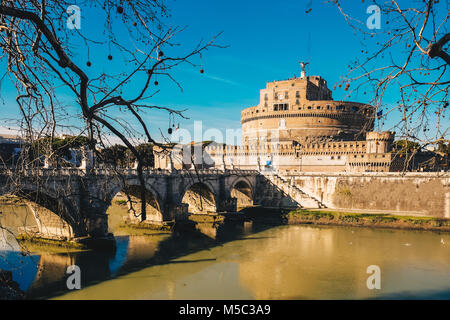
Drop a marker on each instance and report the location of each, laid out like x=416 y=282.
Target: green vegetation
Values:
x=146 y=152
x=35 y=244
x=121 y=202
x=60 y=146
x=405 y=146
x=444 y=148
x=130 y=226
x=206 y=218
x=120 y=155
x=136 y=230
x=366 y=219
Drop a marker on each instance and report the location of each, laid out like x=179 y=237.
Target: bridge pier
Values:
x=227 y=205
x=97 y=225
x=92 y=209
x=176 y=211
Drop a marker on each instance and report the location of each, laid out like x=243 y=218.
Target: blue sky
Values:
x=266 y=40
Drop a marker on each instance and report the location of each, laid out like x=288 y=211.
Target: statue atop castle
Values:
x=303 y=66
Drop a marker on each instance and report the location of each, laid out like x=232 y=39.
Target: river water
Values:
x=246 y=261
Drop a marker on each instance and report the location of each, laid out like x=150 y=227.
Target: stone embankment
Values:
x=374 y=220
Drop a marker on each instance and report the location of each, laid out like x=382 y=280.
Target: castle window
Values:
x=286 y=95
x=280 y=107
x=275 y=96
x=297 y=94
x=266 y=96
x=297 y=102
x=309 y=107
x=328 y=107
x=318 y=107
x=354 y=109
x=339 y=157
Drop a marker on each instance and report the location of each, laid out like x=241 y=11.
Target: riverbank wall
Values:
x=422 y=193
x=352 y=219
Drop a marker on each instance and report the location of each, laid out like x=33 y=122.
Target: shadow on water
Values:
x=44 y=275
x=427 y=295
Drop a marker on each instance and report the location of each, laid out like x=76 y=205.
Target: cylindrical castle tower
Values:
x=379 y=142
x=302 y=109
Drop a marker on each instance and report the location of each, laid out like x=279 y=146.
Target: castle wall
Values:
x=421 y=193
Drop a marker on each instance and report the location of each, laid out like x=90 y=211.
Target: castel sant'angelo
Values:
x=297 y=126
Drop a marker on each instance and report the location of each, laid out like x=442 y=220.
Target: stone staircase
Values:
x=289 y=188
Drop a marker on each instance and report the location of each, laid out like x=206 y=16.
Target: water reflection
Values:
x=295 y=262
x=245 y=260
x=43 y=275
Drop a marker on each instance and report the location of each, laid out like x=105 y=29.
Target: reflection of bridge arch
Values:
x=131 y=195
x=200 y=198
x=241 y=189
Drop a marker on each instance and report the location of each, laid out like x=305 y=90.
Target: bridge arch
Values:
x=242 y=190
x=129 y=195
x=200 y=198
x=55 y=215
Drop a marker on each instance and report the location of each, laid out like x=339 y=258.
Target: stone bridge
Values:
x=72 y=203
